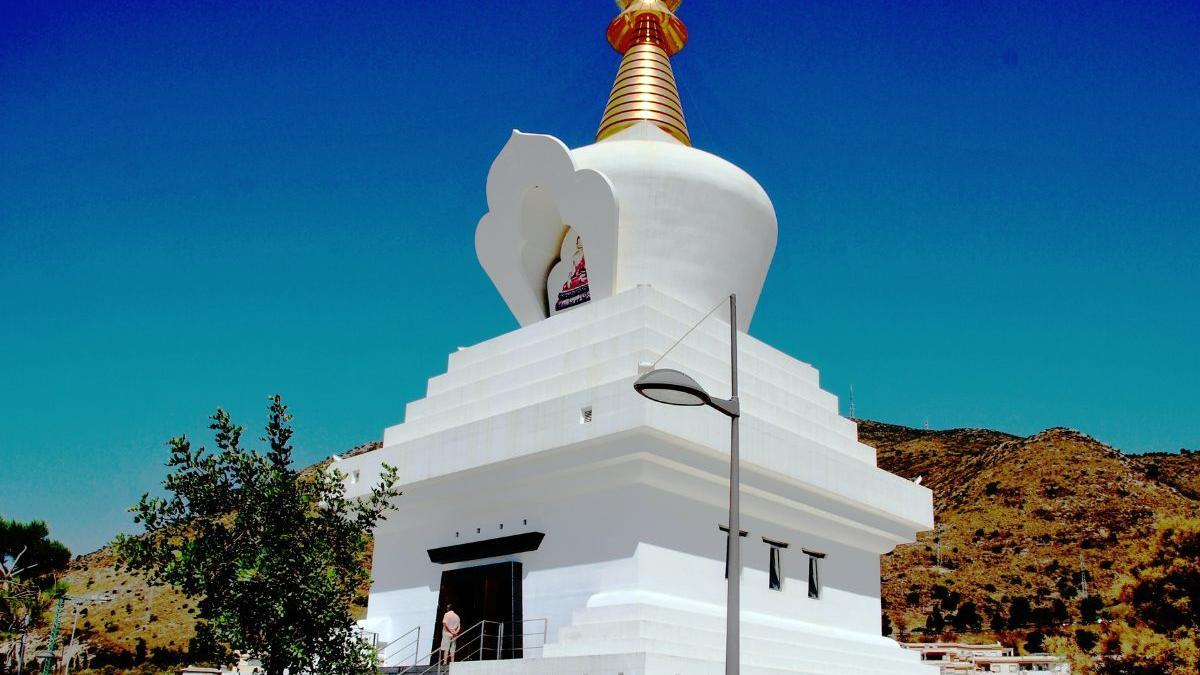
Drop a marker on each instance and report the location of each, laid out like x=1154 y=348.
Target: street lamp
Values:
x=666 y=385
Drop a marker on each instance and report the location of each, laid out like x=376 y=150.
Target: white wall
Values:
x=630 y=502
x=604 y=542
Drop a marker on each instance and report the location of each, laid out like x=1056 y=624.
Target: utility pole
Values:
x=67 y=655
x=852 y=402
x=48 y=664
x=1083 y=575
x=21 y=648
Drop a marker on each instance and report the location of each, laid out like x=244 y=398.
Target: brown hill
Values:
x=1020 y=520
x=118 y=607
x=942 y=459
x=1179 y=470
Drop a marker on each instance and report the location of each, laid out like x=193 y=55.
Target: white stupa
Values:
x=580 y=522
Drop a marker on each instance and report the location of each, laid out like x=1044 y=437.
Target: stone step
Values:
x=792 y=646
x=632 y=664
x=709 y=627
x=842 y=664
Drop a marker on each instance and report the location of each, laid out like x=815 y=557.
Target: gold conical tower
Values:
x=647 y=33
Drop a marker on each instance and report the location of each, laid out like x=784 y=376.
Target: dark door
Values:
x=489 y=593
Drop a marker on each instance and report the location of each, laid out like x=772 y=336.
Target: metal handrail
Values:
x=368 y=636
x=391 y=652
x=477 y=652
x=438 y=664
x=519 y=652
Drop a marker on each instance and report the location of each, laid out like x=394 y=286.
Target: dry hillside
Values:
x=1021 y=520
x=1179 y=470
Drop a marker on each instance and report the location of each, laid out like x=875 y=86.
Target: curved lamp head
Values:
x=667 y=385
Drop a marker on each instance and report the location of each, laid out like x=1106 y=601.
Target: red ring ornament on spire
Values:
x=647 y=22
x=646 y=33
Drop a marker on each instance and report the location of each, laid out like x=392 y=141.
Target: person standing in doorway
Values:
x=451 y=625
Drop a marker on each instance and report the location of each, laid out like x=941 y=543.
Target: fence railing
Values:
x=367 y=636
x=484 y=641
x=403 y=651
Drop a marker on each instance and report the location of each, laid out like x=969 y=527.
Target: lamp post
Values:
x=672 y=387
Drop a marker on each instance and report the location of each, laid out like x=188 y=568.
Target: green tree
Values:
x=1019 y=611
x=30 y=547
x=1090 y=607
x=967 y=618
x=935 y=622
x=1041 y=616
x=1086 y=639
x=1082 y=662
x=1059 y=610
x=29 y=564
x=1163 y=591
x=273 y=556
x=1156 y=630
x=1035 y=642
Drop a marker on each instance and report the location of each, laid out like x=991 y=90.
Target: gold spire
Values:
x=646 y=32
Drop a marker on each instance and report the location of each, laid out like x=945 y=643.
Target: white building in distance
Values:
x=958 y=658
x=582 y=523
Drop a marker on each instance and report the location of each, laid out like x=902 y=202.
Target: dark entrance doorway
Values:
x=489 y=593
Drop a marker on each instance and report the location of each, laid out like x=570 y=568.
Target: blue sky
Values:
x=989 y=211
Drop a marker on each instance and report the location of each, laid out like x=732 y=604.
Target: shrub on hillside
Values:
x=1086 y=639
x=1090 y=607
x=1018 y=612
x=1156 y=630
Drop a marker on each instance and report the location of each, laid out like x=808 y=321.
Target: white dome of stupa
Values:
x=640 y=206
x=691 y=224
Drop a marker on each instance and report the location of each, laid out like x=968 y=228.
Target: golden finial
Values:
x=646 y=33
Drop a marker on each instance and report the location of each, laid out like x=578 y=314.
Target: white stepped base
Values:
x=643 y=638
x=704 y=629
x=661 y=664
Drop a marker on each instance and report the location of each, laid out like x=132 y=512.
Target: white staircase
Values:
x=766 y=647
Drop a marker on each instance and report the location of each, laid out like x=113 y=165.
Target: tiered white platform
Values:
x=769 y=644
x=630 y=573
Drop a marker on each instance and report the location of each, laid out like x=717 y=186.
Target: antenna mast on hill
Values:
x=852 y=403
x=1083 y=575
x=938 y=542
